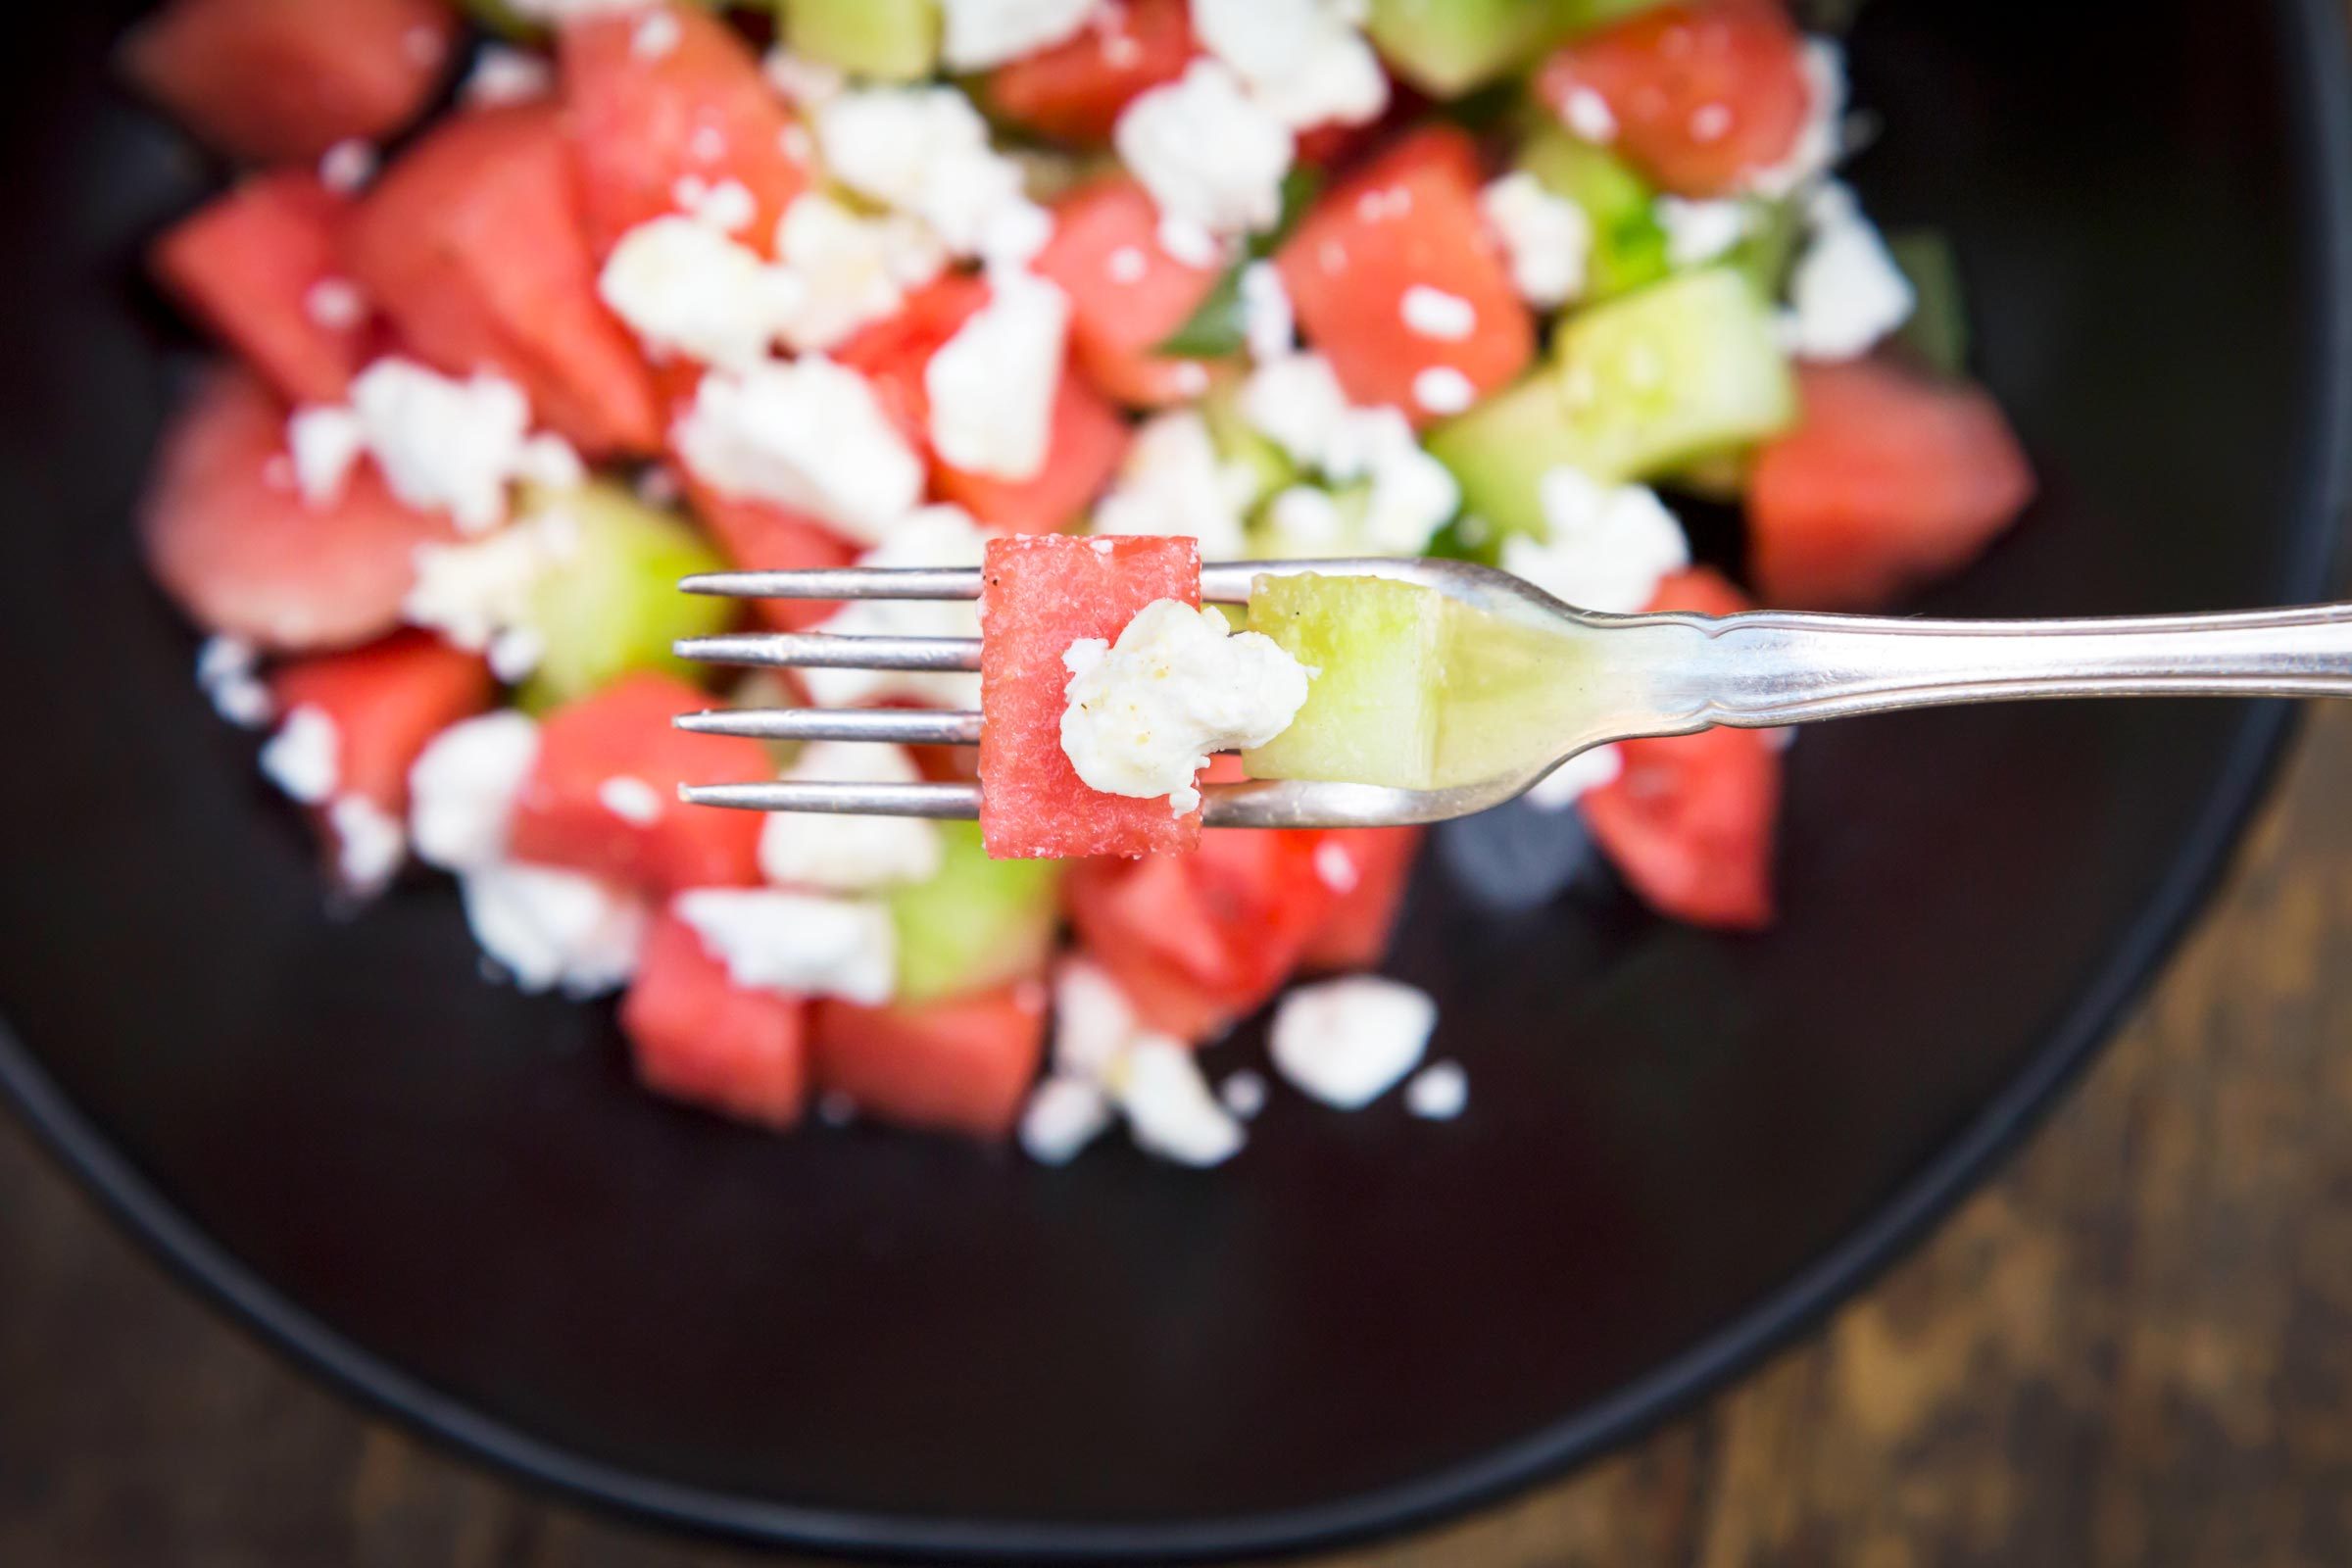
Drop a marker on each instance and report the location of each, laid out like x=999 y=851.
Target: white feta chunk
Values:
x=1093 y=1021
x=852 y=269
x=1307 y=522
x=1439 y=1092
x=1699 y=232
x=463 y=785
x=1443 y=389
x=1608 y=546
x=1588 y=117
x=1207 y=151
x=726 y=206
x=1548 y=238
x=1172 y=482
x=478 y=591
x=304 y=758
x=1179 y=684
x=1566 y=784
x=631 y=799
x=228 y=673
x=554 y=930
x=656 y=35
x=1295 y=402
x=1304 y=60
x=1269 y=325
x=1434 y=314
x=979 y=33
x=505 y=76
x=1062 y=1117
x=934 y=536
x=992 y=385
x=795 y=942
x=334 y=304
x=347 y=167
x=325 y=440
x=807 y=83
x=1335 y=868
x=1346 y=1042
x=1242 y=1093
x=1170 y=1109
x=1412 y=493
x=849 y=853
x=443 y=443
x=685 y=288
x=369 y=845
x=809 y=435
x=925 y=150
x=1845 y=292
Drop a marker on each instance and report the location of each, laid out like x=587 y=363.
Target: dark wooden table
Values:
x=2134 y=1347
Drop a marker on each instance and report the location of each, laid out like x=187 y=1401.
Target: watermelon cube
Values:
x=285 y=80
x=697 y=1036
x=1127 y=294
x=1369 y=868
x=259 y=266
x=387 y=701
x=761 y=536
x=695 y=114
x=1075 y=89
x=472 y=245
x=1396 y=279
x=1041 y=593
x=962 y=1065
x=229 y=539
x=602 y=795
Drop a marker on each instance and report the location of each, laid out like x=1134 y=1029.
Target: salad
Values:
x=530 y=308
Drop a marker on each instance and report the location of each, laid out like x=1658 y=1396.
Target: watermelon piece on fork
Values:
x=1038 y=593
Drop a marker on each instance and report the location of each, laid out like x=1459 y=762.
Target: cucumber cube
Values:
x=1500 y=452
x=612 y=605
x=890 y=40
x=1628 y=244
x=977 y=924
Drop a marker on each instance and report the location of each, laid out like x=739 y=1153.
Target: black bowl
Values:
x=1681 y=1147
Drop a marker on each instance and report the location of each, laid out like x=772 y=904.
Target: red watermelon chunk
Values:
x=1087 y=440
x=387 y=701
x=1041 y=593
x=893 y=353
x=1199 y=940
x=1891 y=479
x=761 y=536
x=260 y=266
x=602 y=795
x=472 y=244
x=698 y=111
x=697 y=1036
x=1408 y=220
x=1126 y=293
x=1690 y=824
x=228 y=538
x=1368 y=869
x=961 y=1065
x=285 y=80
x=1076 y=90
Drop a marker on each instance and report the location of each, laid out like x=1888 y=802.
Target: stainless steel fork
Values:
x=1638 y=676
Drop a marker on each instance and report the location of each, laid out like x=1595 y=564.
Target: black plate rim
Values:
x=2318 y=41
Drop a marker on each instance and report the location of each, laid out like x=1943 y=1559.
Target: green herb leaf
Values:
x=1214 y=328
x=1938 y=332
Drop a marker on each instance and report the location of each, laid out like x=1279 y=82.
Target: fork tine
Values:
x=903 y=726
x=823 y=651
x=842 y=582
x=942 y=802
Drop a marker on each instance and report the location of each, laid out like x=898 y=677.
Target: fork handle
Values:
x=1771 y=667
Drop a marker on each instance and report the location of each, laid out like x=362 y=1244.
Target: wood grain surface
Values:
x=2134 y=1346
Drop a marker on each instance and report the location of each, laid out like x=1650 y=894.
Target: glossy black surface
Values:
x=1679 y=1146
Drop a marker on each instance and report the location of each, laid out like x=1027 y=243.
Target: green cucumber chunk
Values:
x=977 y=924
x=612 y=606
x=1417 y=691
x=1635 y=389
x=1447 y=47
x=1629 y=246
x=889 y=41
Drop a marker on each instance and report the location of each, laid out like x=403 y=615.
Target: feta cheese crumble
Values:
x=1548 y=238
x=1566 y=784
x=1304 y=60
x=631 y=799
x=369 y=844
x=441 y=444
x=726 y=204
x=1607 y=549
x=1439 y=1092
x=347 y=167
x=992 y=385
x=807 y=83
x=1845 y=292
x=1064 y=1115
x=685 y=288
x=554 y=930
x=807 y=435
x=795 y=942
x=1433 y=312
x=325 y=441
x=851 y=268
x=1588 y=117
x=934 y=536
x=478 y=594
x=463 y=785
x=849 y=853
x=1698 y=232
x=303 y=759
x=1269 y=325
x=334 y=304
x=1172 y=482
x=979 y=33
x=657 y=34
x=1105 y=1060
x=1145 y=712
x=1171 y=1111
x=1443 y=389
x=1296 y=403
x=1242 y=1093
x=1346 y=1042
x=505 y=76
x=1206 y=152
x=925 y=150
x=226 y=673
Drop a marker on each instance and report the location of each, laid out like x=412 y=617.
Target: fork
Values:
x=1650 y=675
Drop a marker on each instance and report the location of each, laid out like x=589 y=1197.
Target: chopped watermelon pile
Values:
x=1080 y=295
